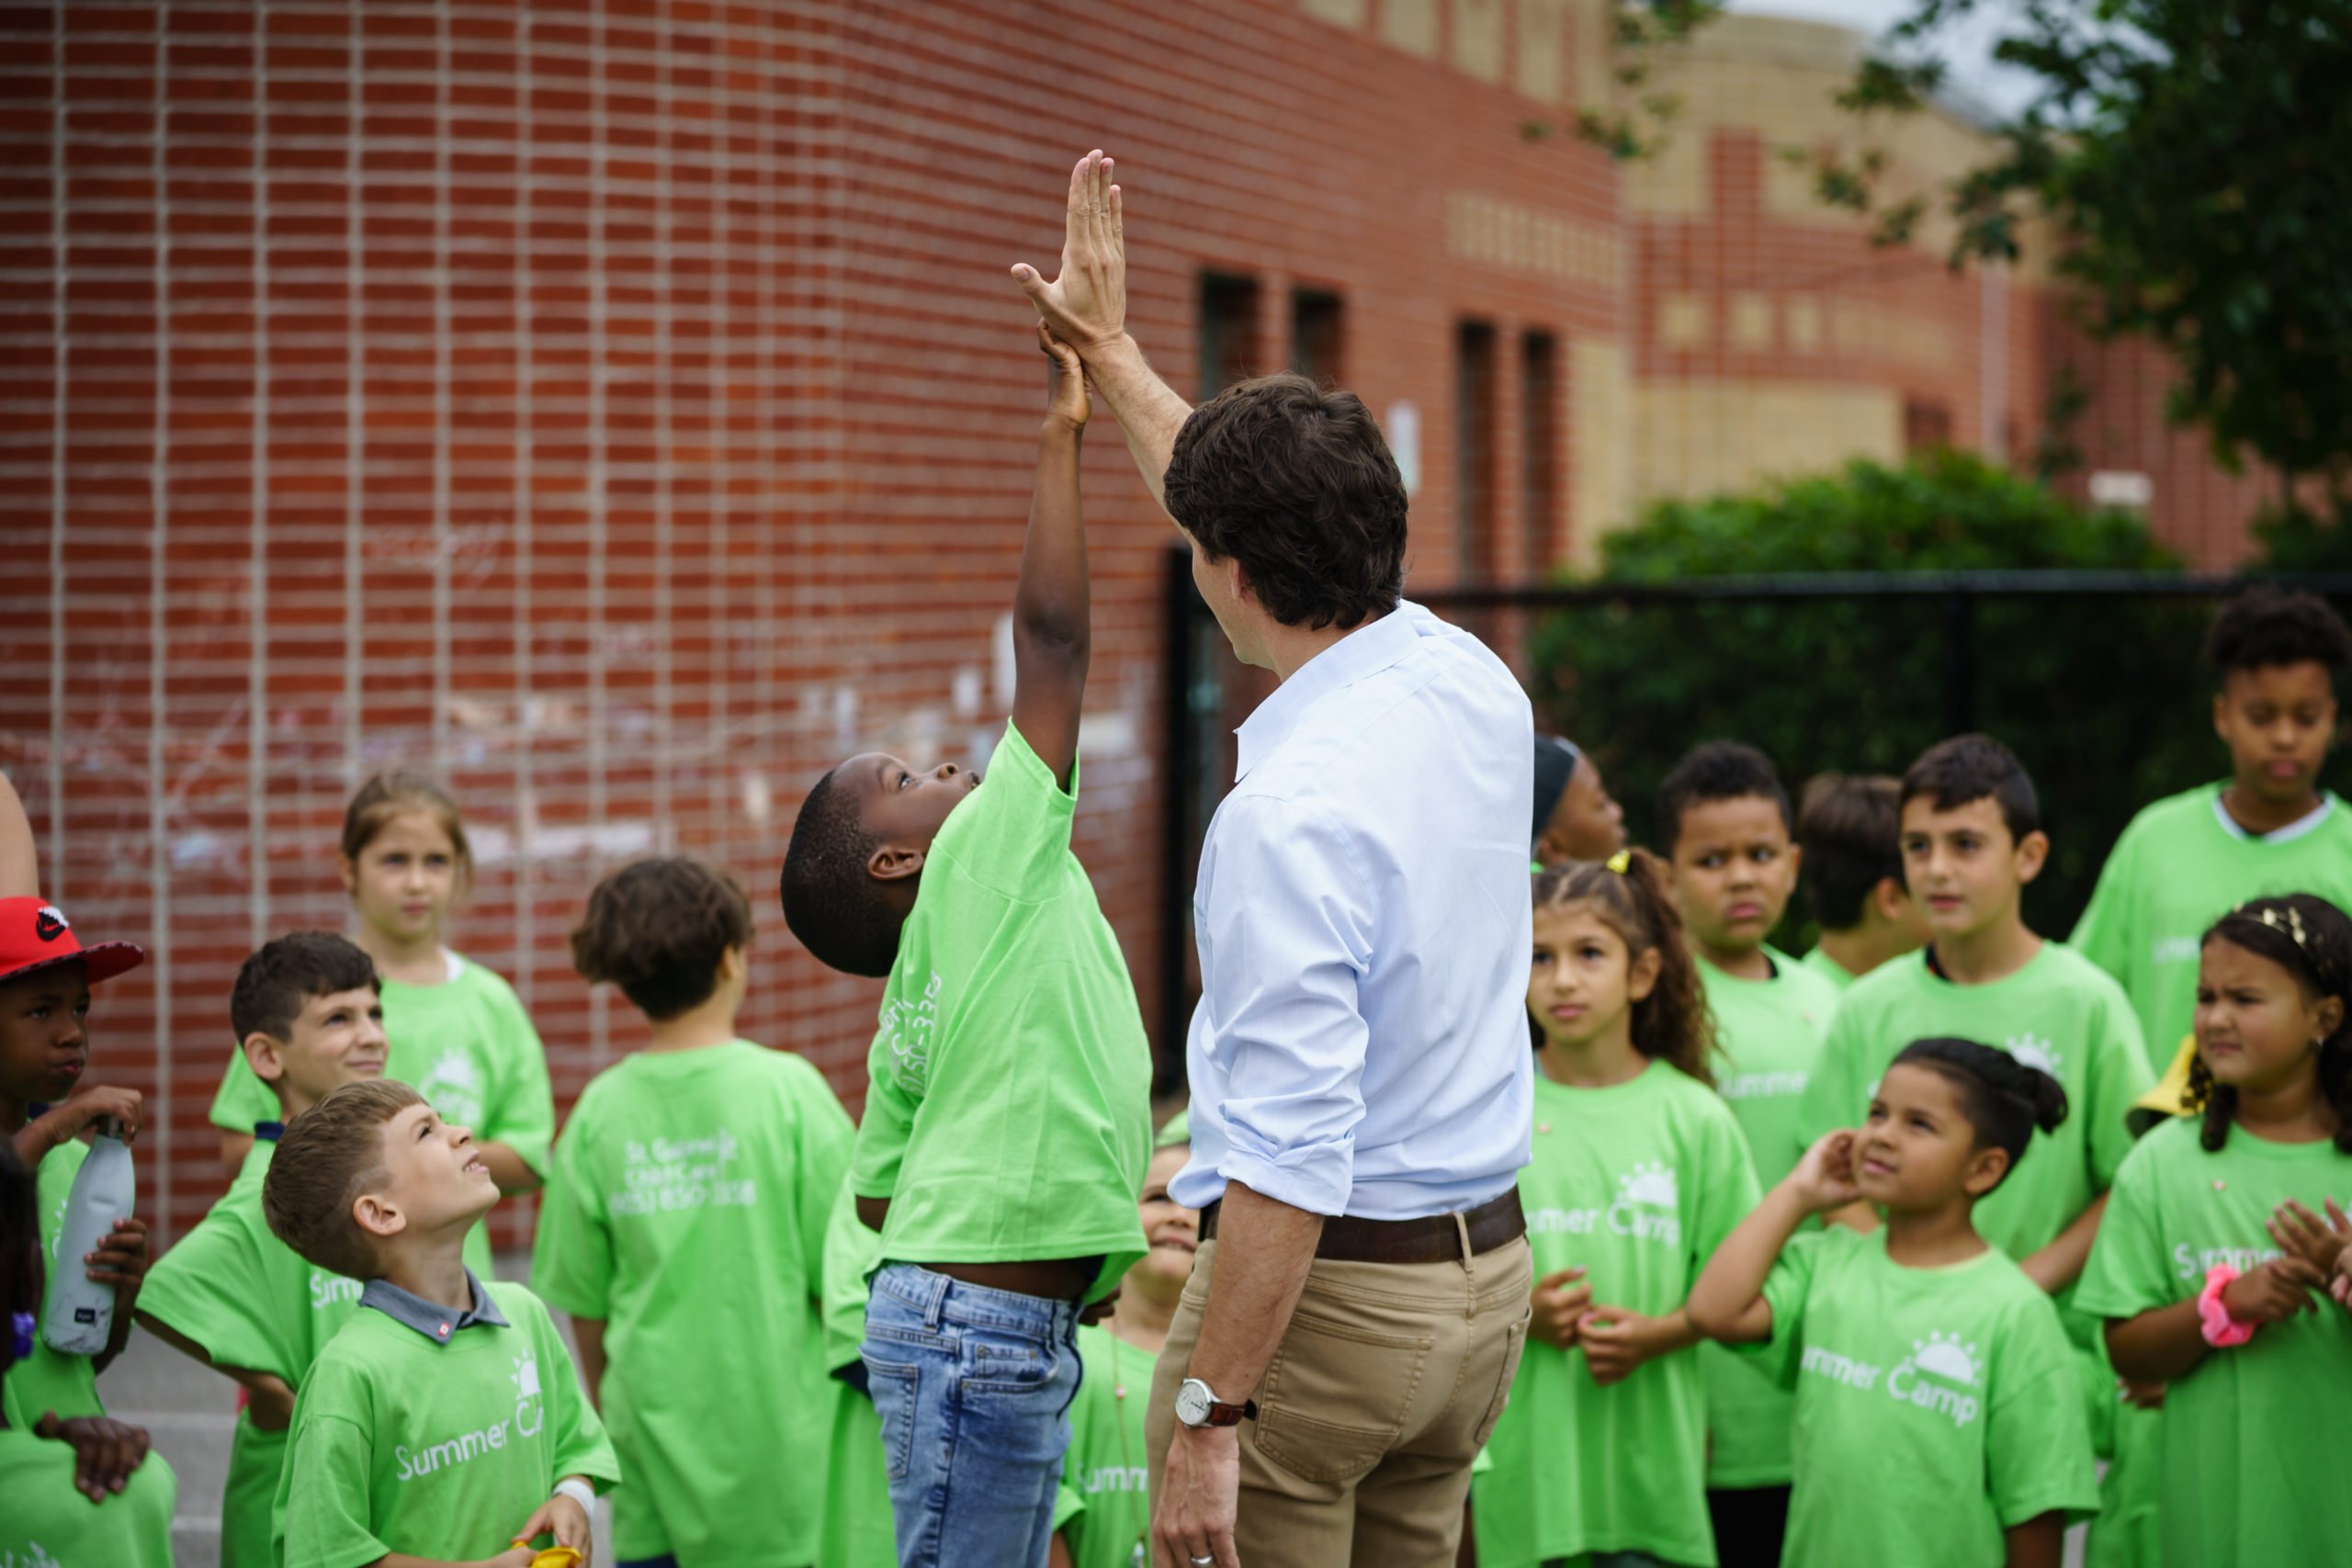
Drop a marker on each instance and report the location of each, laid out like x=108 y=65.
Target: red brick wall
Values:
x=623 y=410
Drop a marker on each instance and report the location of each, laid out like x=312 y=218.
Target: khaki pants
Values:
x=1383 y=1391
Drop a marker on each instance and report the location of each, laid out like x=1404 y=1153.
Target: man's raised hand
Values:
x=1087 y=305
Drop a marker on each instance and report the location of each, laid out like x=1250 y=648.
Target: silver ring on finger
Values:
x=1204 y=1563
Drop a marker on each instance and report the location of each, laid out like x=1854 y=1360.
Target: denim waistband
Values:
x=938 y=1298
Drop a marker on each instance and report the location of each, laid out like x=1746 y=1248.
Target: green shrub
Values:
x=2105 y=699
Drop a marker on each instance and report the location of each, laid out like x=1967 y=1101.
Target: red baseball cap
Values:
x=34 y=935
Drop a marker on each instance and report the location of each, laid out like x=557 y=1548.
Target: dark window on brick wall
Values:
x=1228 y=332
x=1924 y=424
x=1539 y=450
x=1474 y=450
x=1315 y=343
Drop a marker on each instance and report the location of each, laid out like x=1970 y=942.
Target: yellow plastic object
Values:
x=555 y=1557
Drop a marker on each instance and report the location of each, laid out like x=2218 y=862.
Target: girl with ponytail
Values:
x=2190 y=1269
x=1939 y=1415
x=1638 y=1172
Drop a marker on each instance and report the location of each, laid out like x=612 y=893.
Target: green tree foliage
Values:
x=2104 y=699
x=2196 y=156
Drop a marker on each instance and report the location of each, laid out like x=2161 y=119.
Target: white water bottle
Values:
x=81 y=1311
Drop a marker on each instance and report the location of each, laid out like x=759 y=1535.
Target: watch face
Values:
x=1191 y=1402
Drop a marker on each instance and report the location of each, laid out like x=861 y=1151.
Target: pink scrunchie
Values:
x=2221 y=1330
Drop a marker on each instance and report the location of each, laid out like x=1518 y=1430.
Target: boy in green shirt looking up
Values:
x=699 y=1158
x=1724 y=824
x=443 y=1424
x=1008 y=1119
x=1972 y=839
x=231 y=1294
x=2189 y=859
x=1851 y=827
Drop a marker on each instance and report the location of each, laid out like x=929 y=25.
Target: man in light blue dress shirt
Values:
x=1361 y=1084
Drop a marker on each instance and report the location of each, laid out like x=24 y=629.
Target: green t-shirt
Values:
x=47 y=1524
x=1936 y=1408
x=2060 y=1012
x=2252 y=1439
x=1637 y=1183
x=678 y=1171
x=1770 y=1033
x=2176 y=869
x=1103 y=1506
x=246 y=1296
x=856 y=1530
x=52 y=1379
x=1829 y=968
x=1010 y=1118
x=405 y=1444
x=468 y=1048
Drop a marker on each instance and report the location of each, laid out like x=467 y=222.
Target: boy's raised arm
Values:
x=1087 y=309
x=1051 y=631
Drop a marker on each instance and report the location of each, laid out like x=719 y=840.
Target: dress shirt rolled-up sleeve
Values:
x=1289 y=918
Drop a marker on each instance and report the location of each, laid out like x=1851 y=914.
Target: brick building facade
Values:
x=621 y=408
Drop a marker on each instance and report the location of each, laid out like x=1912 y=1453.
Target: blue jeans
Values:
x=974 y=1388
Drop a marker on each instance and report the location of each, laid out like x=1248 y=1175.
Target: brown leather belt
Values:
x=1435 y=1239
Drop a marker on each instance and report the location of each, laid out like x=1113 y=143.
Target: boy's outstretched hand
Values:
x=1067 y=404
x=1087 y=305
x=1825 y=1177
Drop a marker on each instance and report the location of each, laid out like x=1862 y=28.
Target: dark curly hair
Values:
x=658 y=930
x=2264 y=627
x=831 y=898
x=280 y=977
x=1672 y=1025
x=1717 y=770
x=2004 y=1099
x=2322 y=962
x=1851 y=828
x=1970 y=767
x=1298 y=484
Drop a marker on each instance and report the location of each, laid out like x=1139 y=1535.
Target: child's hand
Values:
x=2298 y=1232
x=1823 y=1178
x=1558 y=1301
x=62 y=1122
x=2273 y=1290
x=1616 y=1341
x=1067 y=404
x=121 y=1259
x=563 y=1518
x=2140 y=1395
x=269 y=1404
x=104 y=1451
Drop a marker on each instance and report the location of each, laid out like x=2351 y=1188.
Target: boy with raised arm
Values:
x=1009 y=1119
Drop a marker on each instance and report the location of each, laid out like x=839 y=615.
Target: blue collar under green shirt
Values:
x=434 y=1322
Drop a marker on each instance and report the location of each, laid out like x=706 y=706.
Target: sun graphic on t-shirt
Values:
x=1944 y=1355
x=2038 y=1053
x=1650 y=1182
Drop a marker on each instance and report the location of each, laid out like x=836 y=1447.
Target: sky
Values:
x=1967 y=43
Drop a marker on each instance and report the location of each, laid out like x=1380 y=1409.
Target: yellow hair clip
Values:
x=1620 y=861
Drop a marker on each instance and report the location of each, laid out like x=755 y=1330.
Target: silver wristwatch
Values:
x=1196 y=1406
